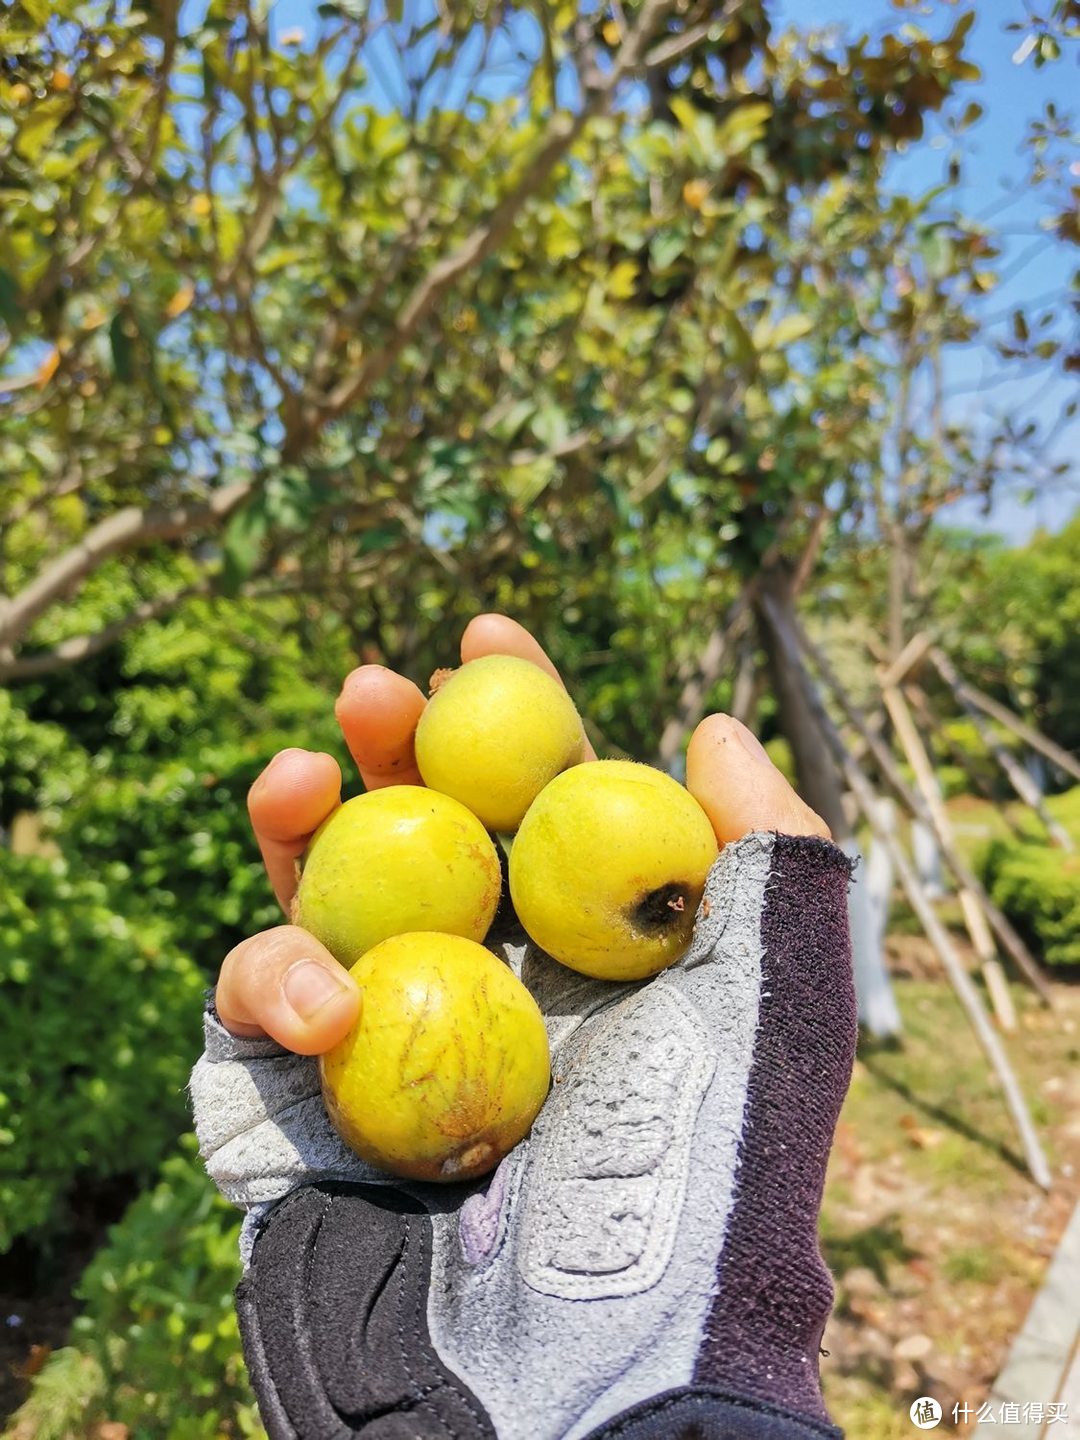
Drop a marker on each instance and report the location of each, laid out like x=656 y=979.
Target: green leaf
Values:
x=665 y=249
x=10 y=311
x=40 y=126
x=288 y=255
x=508 y=425
x=742 y=127
x=242 y=545
x=550 y=426
x=38 y=10
x=379 y=537
x=621 y=280
x=688 y=116
x=787 y=330
x=742 y=346
x=123 y=351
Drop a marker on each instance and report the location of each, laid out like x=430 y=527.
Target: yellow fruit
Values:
x=494 y=734
x=447 y=1066
x=608 y=869
x=397 y=860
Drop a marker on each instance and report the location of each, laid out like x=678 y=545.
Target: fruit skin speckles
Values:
x=396 y=860
x=447 y=1065
x=494 y=733
x=608 y=869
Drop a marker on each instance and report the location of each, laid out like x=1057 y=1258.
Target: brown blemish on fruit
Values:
x=472 y=1161
x=659 y=910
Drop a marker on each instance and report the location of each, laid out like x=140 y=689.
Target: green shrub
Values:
x=99 y=1027
x=157 y=1346
x=1038 y=888
x=39 y=763
x=1065 y=808
x=177 y=846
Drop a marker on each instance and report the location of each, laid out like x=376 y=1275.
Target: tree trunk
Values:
x=820 y=784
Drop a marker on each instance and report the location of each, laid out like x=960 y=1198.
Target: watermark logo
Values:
x=925 y=1413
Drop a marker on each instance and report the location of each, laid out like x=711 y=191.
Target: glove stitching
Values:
x=309 y=1269
x=420 y=1390
x=479 y=1416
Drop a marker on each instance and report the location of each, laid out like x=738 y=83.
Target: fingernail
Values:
x=751 y=744
x=309 y=986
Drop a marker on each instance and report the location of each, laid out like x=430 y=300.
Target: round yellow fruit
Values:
x=396 y=860
x=494 y=734
x=608 y=869
x=447 y=1066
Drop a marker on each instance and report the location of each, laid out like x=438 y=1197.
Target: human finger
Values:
x=287 y=804
x=284 y=984
x=729 y=773
x=378 y=711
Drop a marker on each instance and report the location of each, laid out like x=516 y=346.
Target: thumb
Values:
x=284 y=984
x=730 y=775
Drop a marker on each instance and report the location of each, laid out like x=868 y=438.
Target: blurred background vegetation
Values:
x=323 y=328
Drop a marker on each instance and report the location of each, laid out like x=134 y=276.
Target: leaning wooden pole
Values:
x=938 y=936
x=965 y=877
x=960 y=758
x=974 y=919
x=967 y=693
x=1018 y=777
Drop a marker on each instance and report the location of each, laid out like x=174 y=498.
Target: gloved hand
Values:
x=644 y=1264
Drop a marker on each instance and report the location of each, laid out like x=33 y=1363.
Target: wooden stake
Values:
x=891 y=771
x=917 y=696
x=966 y=692
x=908 y=658
x=1000 y=997
x=938 y=936
x=992 y=973
x=965 y=990
x=1018 y=777
x=974 y=919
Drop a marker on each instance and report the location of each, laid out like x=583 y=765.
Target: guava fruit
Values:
x=493 y=735
x=395 y=860
x=448 y=1064
x=608 y=868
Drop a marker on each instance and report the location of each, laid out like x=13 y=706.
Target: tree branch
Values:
x=128 y=529
x=81 y=647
